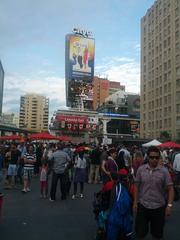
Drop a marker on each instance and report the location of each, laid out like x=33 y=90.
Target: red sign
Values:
x=73 y=119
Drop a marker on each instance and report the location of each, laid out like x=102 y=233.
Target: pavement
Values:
x=26 y=216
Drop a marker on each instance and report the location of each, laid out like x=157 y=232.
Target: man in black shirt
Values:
x=14 y=157
x=95 y=165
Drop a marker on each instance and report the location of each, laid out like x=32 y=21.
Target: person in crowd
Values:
x=95 y=165
x=39 y=154
x=29 y=162
x=137 y=161
x=69 y=176
x=103 y=158
x=125 y=154
x=1 y=169
x=60 y=161
x=176 y=167
x=22 y=148
x=14 y=157
x=164 y=155
x=153 y=196
x=44 y=179
x=79 y=174
x=109 y=166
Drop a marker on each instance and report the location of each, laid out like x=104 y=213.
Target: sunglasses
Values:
x=154 y=157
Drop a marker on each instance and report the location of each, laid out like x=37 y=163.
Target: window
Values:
x=178 y=96
x=178 y=58
x=178 y=108
x=177 y=46
x=177 y=12
x=178 y=71
x=177 y=35
x=178 y=120
x=178 y=83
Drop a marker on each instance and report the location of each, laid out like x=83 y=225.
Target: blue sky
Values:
x=32 y=44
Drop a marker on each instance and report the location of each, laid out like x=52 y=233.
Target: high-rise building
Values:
x=160 y=70
x=102 y=88
x=1 y=86
x=100 y=91
x=34 y=113
x=115 y=87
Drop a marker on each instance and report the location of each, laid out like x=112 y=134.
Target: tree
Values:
x=164 y=135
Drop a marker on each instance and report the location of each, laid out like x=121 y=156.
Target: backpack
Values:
x=120 y=221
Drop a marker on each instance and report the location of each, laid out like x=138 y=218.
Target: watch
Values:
x=169 y=205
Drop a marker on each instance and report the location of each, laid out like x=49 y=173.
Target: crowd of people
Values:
x=132 y=180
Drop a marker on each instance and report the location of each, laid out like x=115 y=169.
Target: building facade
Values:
x=100 y=91
x=10 y=119
x=115 y=87
x=80 y=126
x=102 y=88
x=1 y=86
x=160 y=70
x=34 y=113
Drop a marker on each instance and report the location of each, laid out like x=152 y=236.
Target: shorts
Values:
x=12 y=170
x=154 y=217
x=28 y=173
x=44 y=184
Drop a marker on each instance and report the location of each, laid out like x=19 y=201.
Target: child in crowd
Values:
x=80 y=175
x=44 y=180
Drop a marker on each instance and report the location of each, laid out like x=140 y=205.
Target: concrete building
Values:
x=100 y=91
x=1 y=86
x=34 y=113
x=10 y=119
x=102 y=88
x=115 y=87
x=160 y=70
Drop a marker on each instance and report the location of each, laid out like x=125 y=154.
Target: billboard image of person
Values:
x=81 y=57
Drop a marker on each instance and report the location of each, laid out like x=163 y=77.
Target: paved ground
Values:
x=26 y=216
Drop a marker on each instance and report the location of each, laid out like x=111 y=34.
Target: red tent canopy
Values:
x=42 y=136
x=11 y=137
x=169 y=145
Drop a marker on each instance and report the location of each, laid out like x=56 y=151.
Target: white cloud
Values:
x=137 y=47
x=123 y=70
x=16 y=86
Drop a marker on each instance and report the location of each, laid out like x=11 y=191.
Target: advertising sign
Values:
x=81 y=57
x=76 y=123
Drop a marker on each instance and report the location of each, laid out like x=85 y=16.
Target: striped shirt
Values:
x=29 y=157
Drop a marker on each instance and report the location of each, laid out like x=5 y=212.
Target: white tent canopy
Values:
x=151 y=143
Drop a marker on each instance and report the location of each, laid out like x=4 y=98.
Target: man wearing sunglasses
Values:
x=153 y=196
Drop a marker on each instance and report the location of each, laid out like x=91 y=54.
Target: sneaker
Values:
x=28 y=189
x=41 y=196
x=24 y=190
x=51 y=200
x=81 y=195
x=73 y=197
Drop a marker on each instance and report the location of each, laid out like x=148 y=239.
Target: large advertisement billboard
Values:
x=81 y=57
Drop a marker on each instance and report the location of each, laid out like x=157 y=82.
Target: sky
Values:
x=32 y=44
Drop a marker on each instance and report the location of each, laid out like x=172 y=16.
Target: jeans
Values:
x=94 y=173
x=63 y=180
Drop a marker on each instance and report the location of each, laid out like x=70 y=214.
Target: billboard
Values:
x=80 y=57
